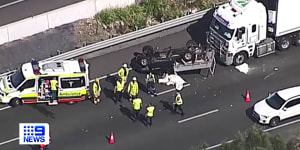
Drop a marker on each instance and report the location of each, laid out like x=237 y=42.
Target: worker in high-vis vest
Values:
x=137 y=105
x=119 y=89
x=96 y=91
x=133 y=89
x=54 y=86
x=178 y=103
x=149 y=114
x=123 y=72
x=150 y=81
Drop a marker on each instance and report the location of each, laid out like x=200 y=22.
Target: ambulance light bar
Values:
x=81 y=65
x=35 y=67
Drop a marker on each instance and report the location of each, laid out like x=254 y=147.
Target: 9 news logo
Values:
x=33 y=133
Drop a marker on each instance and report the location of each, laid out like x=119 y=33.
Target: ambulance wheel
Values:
x=15 y=102
x=239 y=58
x=284 y=43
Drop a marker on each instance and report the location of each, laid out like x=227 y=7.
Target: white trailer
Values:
x=244 y=28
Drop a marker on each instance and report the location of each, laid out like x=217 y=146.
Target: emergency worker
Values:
x=149 y=114
x=178 y=103
x=123 y=72
x=119 y=89
x=133 y=89
x=137 y=105
x=96 y=91
x=54 y=86
x=150 y=81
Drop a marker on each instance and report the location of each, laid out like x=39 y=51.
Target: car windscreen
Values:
x=275 y=101
x=17 y=78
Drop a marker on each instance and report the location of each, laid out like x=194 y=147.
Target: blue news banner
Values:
x=34 y=133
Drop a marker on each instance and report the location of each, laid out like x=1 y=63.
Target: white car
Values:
x=278 y=106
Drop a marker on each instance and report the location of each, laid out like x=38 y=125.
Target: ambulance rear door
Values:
x=72 y=88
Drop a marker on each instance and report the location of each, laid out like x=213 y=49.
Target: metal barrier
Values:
x=129 y=36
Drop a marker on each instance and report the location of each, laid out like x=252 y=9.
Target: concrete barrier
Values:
x=52 y=19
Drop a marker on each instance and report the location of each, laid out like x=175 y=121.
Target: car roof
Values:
x=288 y=93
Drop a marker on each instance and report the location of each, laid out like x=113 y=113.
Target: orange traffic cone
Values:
x=247 y=97
x=111 y=139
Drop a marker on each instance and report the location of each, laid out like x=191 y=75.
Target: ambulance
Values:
x=31 y=83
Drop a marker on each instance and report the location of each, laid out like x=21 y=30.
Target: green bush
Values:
x=106 y=17
x=154 y=8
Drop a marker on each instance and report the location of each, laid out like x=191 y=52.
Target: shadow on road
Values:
x=43 y=110
x=127 y=112
x=111 y=79
x=142 y=87
x=166 y=105
x=109 y=94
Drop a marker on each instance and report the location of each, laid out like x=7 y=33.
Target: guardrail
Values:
x=129 y=36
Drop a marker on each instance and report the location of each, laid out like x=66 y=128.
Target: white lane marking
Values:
x=8 y=141
x=12 y=3
x=170 y=90
x=7 y=107
x=201 y=115
x=266 y=130
x=103 y=77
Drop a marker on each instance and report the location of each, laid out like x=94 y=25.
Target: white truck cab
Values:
x=244 y=28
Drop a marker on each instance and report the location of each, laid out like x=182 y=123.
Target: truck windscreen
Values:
x=221 y=29
x=17 y=78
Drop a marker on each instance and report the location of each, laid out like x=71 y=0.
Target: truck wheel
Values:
x=274 y=122
x=284 y=43
x=187 y=56
x=148 y=50
x=239 y=58
x=15 y=102
x=143 y=61
x=297 y=40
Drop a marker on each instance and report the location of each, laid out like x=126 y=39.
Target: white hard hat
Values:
x=134 y=79
x=124 y=65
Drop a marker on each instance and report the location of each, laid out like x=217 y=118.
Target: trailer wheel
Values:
x=15 y=102
x=297 y=40
x=143 y=61
x=239 y=58
x=284 y=43
x=187 y=56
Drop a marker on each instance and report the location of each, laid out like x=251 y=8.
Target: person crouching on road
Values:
x=133 y=88
x=119 y=89
x=137 y=105
x=149 y=114
x=123 y=72
x=178 y=103
x=96 y=91
x=150 y=81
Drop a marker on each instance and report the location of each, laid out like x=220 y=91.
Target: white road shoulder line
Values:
x=7 y=107
x=12 y=3
x=8 y=141
x=170 y=90
x=201 y=115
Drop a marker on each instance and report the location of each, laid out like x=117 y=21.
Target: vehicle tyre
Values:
x=15 y=102
x=284 y=43
x=148 y=50
x=274 y=122
x=143 y=61
x=297 y=40
x=191 y=43
x=187 y=56
x=239 y=58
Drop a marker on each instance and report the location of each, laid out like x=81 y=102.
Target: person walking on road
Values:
x=96 y=91
x=123 y=72
x=119 y=89
x=150 y=81
x=137 y=105
x=133 y=89
x=178 y=103
x=54 y=86
x=149 y=114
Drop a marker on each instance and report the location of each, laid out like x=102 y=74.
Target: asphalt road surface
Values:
x=217 y=102
x=14 y=10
